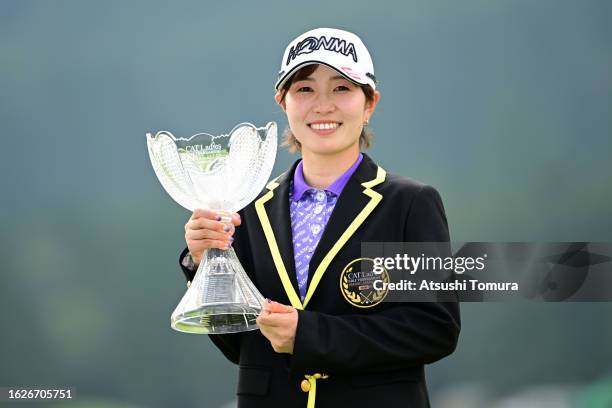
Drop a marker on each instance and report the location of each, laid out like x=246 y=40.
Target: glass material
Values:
x=223 y=173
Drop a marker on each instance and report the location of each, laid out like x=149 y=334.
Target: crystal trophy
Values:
x=223 y=173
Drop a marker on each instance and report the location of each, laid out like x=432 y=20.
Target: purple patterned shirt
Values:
x=310 y=210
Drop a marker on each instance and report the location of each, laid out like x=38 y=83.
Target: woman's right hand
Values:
x=205 y=229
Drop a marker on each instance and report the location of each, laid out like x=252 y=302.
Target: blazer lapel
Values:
x=273 y=213
x=354 y=205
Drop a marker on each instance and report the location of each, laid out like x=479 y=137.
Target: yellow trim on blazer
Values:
x=276 y=256
x=375 y=198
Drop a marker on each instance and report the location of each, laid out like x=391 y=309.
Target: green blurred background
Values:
x=504 y=106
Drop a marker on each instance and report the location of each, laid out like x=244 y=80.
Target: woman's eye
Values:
x=342 y=88
x=304 y=89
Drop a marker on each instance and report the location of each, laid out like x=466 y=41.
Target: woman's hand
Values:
x=205 y=229
x=278 y=323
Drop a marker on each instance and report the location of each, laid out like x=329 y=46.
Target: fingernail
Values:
x=231 y=239
x=268 y=300
x=218 y=218
x=226 y=228
x=228 y=246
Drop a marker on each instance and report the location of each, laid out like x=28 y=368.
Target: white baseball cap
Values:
x=338 y=49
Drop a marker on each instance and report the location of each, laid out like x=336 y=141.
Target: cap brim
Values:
x=285 y=77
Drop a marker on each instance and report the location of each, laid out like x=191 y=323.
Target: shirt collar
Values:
x=300 y=186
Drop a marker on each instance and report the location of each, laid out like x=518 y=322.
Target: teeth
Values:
x=324 y=126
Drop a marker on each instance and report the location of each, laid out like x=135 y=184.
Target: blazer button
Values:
x=305 y=384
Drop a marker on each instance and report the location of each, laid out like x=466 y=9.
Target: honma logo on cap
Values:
x=312 y=44
x=338 y=49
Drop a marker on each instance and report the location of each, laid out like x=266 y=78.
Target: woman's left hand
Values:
x=278 y=323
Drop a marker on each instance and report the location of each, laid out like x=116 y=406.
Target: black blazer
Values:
x=371 y=356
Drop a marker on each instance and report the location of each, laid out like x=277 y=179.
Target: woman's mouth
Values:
x=324 y=128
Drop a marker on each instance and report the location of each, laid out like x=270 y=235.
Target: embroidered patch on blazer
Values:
x=357 y=283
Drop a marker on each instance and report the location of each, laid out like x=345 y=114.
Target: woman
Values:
x=315 y=344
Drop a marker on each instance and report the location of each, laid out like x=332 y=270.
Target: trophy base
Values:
x=218 y=318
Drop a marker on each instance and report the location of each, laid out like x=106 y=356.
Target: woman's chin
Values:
x=327 y=149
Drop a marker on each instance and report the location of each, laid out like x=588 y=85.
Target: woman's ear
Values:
x=278 y=98
x=371 y=106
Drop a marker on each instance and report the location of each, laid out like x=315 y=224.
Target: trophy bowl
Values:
x=222 y=173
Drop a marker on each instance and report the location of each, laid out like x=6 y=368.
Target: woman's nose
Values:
x=324 y=104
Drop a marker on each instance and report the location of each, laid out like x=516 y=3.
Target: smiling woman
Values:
x=315 y=344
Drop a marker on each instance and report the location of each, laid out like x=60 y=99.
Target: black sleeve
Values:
x=229 y=344
x=400 y=336
x=426 y=220
x=189 y=272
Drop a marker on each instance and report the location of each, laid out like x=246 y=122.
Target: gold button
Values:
x=188 y=284
x=305 y=385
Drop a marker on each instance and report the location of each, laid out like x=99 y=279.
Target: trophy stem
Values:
x=221 y=298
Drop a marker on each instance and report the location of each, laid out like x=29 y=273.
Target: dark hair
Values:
x=289 y=140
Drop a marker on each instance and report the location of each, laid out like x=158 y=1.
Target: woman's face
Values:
x=326 y=112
